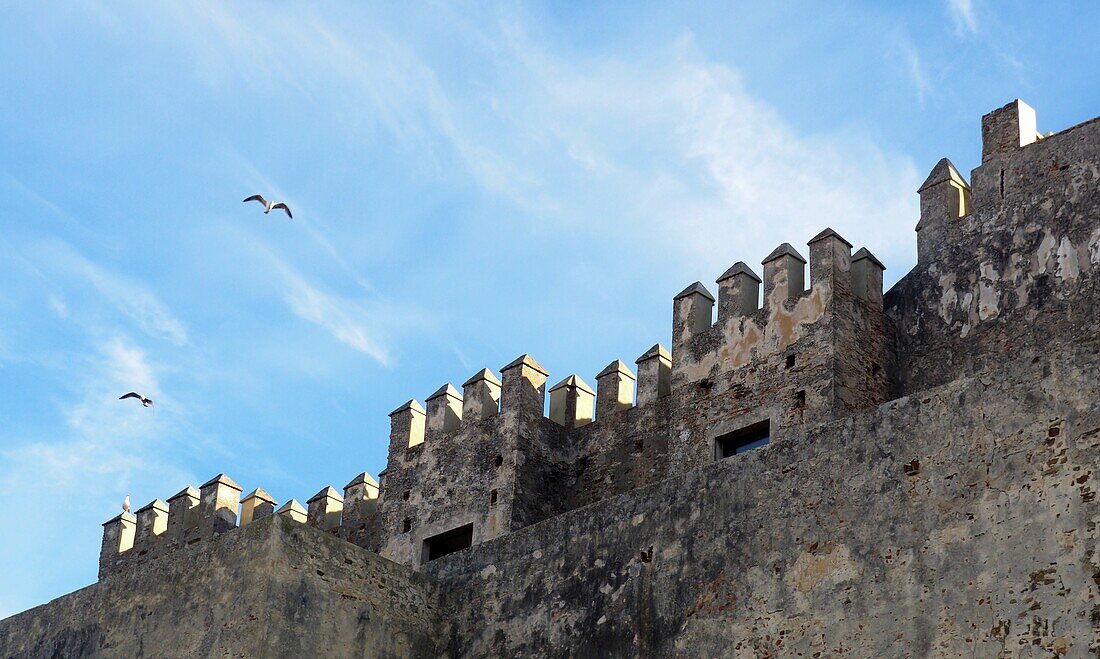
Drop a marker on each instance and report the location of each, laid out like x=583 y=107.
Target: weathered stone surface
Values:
x=912 y=530
x=929 y=488
x=272 y=589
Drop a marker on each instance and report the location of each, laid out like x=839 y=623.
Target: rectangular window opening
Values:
x=448 y=542
x=493 y=498
x=789 y=362
x=743 y=439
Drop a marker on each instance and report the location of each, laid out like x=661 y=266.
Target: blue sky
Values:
x=470 y=182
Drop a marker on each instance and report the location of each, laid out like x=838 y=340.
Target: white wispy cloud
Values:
x=962 y=15
x=360 y=323
x=917 y=75
x=129 y=297
x=344 y=319
x=718 y=164
x=721 y=171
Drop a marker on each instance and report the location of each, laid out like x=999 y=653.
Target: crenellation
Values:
x=654 y=374
x=614 y=389
x=444 y=413
x=480 y=397
x=257 y=505
x=1007 y=129
x=360 y=522
x=571 y=402
x=325 y=510
x=784 y=276
x=692 y=311
x=406 y=427
x=867 y=277
x=738 y=292
x=293 y=510
x=183 y=515
x=747 y=485
x=830 y=262
x=152 y=525
x=118 y=539
x=219 y=499
x=944 y=200
x=523 y=387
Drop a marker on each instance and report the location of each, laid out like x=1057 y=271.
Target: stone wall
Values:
x=621 y=451
x=1018 y=268
x=959 y=522
x=806 y=355
x=275 y=588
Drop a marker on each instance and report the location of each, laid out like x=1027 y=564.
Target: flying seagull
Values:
x=126 y=504
x=270 y=205
x=147 y=402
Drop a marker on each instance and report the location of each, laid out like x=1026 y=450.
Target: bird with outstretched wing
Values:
x=270 y=205
x=146 y=402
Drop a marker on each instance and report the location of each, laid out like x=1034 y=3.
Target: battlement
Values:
x=751 y=327
x=192 y=516
x=1007 y=265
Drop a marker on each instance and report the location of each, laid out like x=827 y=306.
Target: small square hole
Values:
x=405 y=495
x=493 y=498
x=639 y=445
x=789 y=363
x=406 y=525
x=498 y=461
x=800 y=398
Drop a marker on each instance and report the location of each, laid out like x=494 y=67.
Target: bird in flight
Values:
x=270 y=205
x=146 y=402
x=126 y=504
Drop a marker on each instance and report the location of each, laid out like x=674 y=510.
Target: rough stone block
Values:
x=257 y=505
x=614 y=389
x=571 y=402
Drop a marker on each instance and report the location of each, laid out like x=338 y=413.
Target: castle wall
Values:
x=275 y=588
x=959 y=519
x=959 y=522
x=621 y=451
x=1019 y=268
x=446 y=482
x=805 y=356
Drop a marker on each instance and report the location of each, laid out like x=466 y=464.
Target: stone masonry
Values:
x=811 y=468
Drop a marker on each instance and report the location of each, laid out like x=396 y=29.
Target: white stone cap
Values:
x=786 y=249
x=123 y=517
x=739 y=268
x=615 y=367
x=155 y=504
x=185 y=492
x=446 y=390
x=222 y=479
x=260 y=494
x=328 y=492
x=695 y=289
x=573 y=381
x=360 y=479
x=656 y=351
x=483 y=374
x=292 y=507
x=413 y=405
x=943 y=171
x=525 y=360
